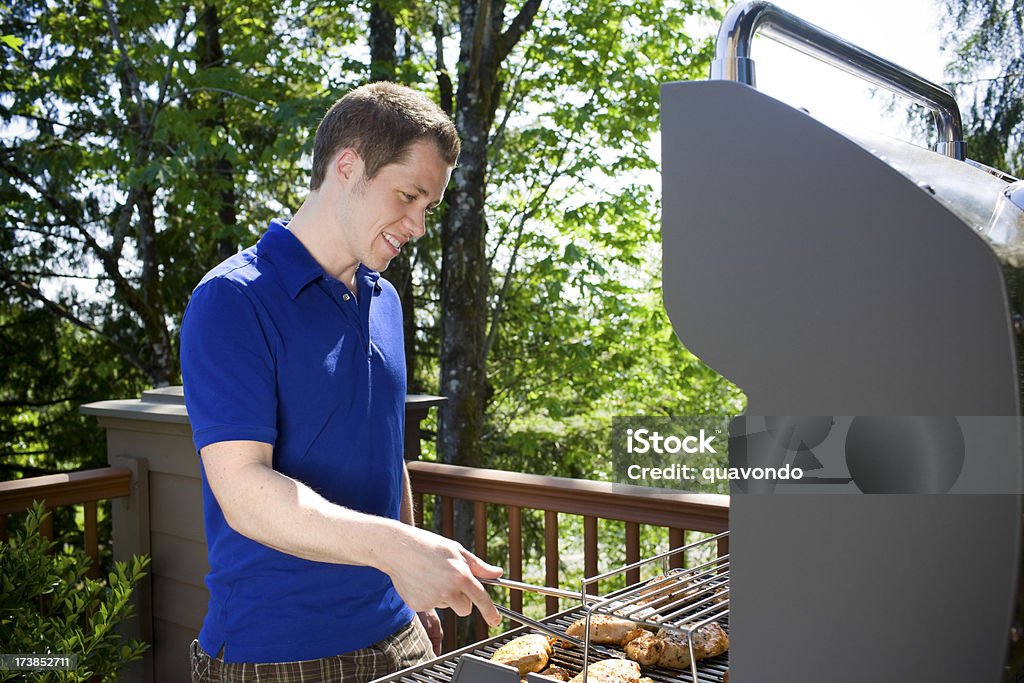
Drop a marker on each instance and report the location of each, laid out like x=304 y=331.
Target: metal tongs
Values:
x=543 y=590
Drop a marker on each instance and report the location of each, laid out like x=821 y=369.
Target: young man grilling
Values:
x=294 y=371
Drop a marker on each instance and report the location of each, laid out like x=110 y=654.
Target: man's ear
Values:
x=347 y=164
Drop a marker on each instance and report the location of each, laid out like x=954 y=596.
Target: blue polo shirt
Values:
x=275 y=350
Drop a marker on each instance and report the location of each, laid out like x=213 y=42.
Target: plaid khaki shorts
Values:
x=405 y=647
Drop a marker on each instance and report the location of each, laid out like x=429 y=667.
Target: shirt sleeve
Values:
x=227 y=367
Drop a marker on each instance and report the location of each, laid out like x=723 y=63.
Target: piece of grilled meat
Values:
x=527 y=654
x=605 y=630
x=670 y=650
x=669 y=589
x=612 y=671
x=556 y=673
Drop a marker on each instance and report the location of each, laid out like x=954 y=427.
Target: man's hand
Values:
x=431 y=571
x=432 y=623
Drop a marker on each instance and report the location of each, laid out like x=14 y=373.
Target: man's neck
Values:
x=312 y=225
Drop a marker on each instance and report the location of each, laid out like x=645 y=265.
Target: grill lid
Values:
x=983 y=199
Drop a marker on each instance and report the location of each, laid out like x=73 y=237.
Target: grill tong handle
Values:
x=530 y=588
x=522 y=619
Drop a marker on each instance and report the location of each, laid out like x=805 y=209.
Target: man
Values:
x=294 y=371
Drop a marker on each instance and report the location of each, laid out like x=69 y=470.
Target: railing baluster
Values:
x=551 y=557
x=515 y=554
x=480 y=545
x=723 y=546
x=632 y=550
x=92 y=539
x=590 y=550
x=677 y=539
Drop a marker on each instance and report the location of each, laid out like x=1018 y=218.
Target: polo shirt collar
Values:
x=296 y=267
x=368 y=278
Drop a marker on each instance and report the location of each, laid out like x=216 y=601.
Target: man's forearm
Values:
x=426 y=570
x=287 y=515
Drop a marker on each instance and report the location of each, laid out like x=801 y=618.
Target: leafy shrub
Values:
x=49 y=606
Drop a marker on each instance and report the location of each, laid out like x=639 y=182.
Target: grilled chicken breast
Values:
x=605 y=630
x=667 y=589
x=646 y=649
x=610 y=671
x=527 y=654
x=556 y=673
x=670 y=650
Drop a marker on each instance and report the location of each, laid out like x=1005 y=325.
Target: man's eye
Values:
x=409 y=197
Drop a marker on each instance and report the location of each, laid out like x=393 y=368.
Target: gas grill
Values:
x=829 y=273
x=677 y=600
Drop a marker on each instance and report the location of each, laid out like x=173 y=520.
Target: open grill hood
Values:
x=831 y=274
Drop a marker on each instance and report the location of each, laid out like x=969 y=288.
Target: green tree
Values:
x=566 y=316
x=127 y=172
x=987 y=41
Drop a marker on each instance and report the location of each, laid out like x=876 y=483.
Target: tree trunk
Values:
x=211 y=55
x=465 y=279
x=464 y=276
x=162 y=363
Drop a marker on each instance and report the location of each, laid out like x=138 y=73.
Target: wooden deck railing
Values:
x=635 y=505
x=555 y=496
x=84 y=488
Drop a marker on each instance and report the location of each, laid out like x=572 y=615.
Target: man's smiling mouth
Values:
x=392 y=241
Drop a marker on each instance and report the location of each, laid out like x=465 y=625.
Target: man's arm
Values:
x=264 y=505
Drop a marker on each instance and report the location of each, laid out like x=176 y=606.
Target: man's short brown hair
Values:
x=381 y=121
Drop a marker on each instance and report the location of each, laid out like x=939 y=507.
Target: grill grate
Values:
x=442 y=670
x=679 y=600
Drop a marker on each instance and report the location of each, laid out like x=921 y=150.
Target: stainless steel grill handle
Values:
x=733 y=63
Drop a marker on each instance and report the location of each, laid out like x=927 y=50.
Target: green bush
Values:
x=49 y=606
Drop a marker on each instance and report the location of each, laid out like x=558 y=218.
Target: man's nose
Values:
x=417 y=222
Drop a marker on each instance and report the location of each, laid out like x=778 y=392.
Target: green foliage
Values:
x=579 y=331
x=987 y=40
x=135 y=158
x=49 y=606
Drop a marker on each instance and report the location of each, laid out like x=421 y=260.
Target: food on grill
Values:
x=725 y=676
x=528 y=654
x=665 y=589
x=605 y=630
x=671 y=650
x=556 y=673
x=611 y=671
x=646 y=649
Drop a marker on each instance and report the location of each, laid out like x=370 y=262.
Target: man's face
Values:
x=381 y=215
